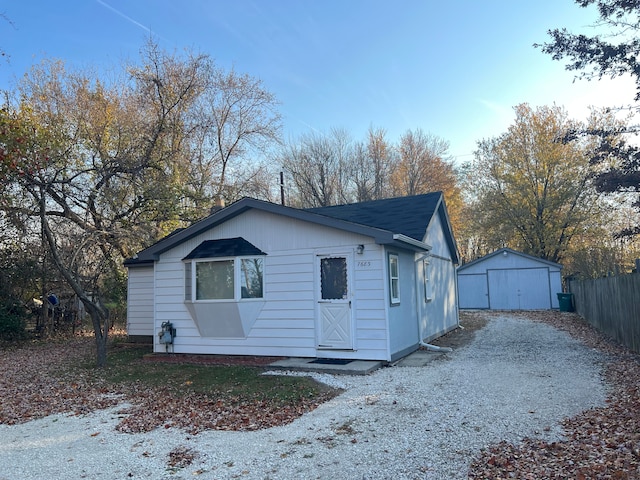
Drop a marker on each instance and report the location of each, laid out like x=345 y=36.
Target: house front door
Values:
x=335 y=329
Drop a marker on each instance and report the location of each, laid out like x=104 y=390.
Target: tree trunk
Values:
x=100 y=322
x=98 y=313
x=101 y=350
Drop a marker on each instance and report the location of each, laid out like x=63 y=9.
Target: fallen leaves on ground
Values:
x=601 y=443
x=33 y=386
x=181 y=457
x=198 y=412
x=36 y=382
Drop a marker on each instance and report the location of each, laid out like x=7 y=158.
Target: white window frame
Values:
x=428 y=284
x=394 y=297
x=191 y=268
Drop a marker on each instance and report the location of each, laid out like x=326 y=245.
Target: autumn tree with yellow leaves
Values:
x=532 y=191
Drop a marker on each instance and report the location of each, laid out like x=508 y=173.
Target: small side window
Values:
x=394 y=279
x=428 y=284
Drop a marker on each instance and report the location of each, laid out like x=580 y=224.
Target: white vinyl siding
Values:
x=140 y=301
x=440 y=314
x=285 y=323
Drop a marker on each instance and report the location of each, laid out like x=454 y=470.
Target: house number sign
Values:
x=364 y=264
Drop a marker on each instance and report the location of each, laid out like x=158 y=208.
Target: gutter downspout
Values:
x=435 y=348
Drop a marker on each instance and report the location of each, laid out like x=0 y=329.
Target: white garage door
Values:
x=523 y=289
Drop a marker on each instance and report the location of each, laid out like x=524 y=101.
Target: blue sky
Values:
x=452 y=68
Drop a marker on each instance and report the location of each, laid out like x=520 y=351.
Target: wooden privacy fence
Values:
x=612 y=305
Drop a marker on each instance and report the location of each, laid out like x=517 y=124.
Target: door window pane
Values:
x=333 y=278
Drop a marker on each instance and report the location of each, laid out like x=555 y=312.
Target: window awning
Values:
x=225 y=247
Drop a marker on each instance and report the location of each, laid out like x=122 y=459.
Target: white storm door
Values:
x=335 y=329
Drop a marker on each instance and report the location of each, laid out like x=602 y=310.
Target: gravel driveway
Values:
x=516 y=379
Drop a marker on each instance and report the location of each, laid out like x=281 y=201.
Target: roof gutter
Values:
x=417 y=244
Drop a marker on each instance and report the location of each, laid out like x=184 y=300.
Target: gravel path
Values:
x=516 y=379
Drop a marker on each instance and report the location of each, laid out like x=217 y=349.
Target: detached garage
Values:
x=509 y=280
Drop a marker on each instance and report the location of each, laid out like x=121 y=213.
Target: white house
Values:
x=365 y=281
x=509 y=280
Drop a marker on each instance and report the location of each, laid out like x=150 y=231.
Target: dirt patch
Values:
x=471 y=321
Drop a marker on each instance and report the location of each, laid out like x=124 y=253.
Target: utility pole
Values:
x=282 y=188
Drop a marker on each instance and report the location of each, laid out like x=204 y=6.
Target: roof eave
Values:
x=153 y=252
x=136 y=262
x=410 y=243
x=441 y=210
x=514 y=252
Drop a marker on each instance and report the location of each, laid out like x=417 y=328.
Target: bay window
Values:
x=224 y=279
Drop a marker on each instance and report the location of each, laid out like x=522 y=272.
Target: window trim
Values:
x=240 y=261
x=428 y=284
x=394 y=300
x=190 y=267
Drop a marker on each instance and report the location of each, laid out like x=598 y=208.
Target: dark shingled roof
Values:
x=408 y=216
x=226 y=247
x=385 y=221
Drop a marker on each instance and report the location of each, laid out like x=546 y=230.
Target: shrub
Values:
x=12 y=323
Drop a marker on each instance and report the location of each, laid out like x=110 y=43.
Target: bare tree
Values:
x=372 y=164
x=236 y=121
x=319 y=166
x=423 y=164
